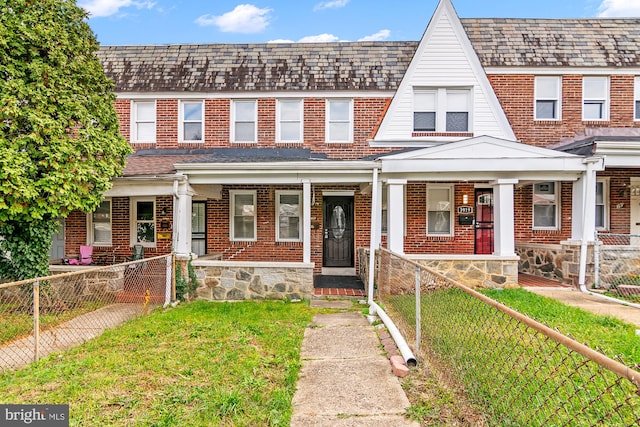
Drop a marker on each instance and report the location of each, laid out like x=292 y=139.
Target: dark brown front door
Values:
x=338 y=231
x=484 y=221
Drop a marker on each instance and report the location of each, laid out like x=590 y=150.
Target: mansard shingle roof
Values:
x=257 y=67
x=605 y=42
x=362 y=66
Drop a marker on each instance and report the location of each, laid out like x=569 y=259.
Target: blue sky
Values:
x=118 y=22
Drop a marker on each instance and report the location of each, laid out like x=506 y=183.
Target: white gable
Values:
x=444 y=59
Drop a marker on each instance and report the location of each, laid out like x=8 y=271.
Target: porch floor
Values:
x=525 y=280
x=531 y=281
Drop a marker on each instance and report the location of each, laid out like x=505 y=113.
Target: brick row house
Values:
x=491 y=146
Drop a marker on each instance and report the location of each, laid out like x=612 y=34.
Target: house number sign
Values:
x=465 y=209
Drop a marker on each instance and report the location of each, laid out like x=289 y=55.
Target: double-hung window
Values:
x=457 y=117
x=439 y=210
x=602 y=204
x=424 y=110
x=143 y=115
x=441 y=110
x=244 y=121
x=191 y=121
x=289 y=213
x=243 y=215
x=545 y=205
x=339 y=127
x=143 y=227
x=290 y=120
x=547 y=97
x=595 y=98
x=637 y=98
x=100 y=224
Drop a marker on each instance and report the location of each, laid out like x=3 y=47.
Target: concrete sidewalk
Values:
x=573 y=297
x=345 y=379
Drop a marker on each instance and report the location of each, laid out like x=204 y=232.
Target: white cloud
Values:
x=98 y=8
x=281 y=41
x=320 y=38
x=245 y=18
x=619 y=8
x=333 y=4
x=379 y=36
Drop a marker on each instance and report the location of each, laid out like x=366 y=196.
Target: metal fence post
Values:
x=418 y=321
x=168 y=287
x=596 y=261
x=36 y=320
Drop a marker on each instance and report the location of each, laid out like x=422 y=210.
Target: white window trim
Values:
x=133 y=230
x=636 y=99
x=327 y=122
x=233 y=120
x=232 y=194
x=442 y=110
x=607 y=100
x=134 y=120
x=449 y=187
x=300 y=220
x=279 y=122
x=91 y=240
x=558 y=193
x=558 y=98
x=182 y=121
x=606 y=201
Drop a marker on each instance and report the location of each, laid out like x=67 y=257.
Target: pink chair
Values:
x=86 y=252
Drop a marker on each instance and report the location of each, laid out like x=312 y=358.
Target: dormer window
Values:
x=441 y=110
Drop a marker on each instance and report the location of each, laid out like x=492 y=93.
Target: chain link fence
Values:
x=617 y=264
x=54 y=313
x=520 y=371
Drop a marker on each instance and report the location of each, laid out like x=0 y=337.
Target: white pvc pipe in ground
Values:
x=403 y=347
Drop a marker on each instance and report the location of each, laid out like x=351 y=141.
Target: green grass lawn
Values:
x=200 y=364
x=513 y=376
x=609 y=334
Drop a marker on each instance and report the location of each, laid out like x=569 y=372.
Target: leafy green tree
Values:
x=60 y=144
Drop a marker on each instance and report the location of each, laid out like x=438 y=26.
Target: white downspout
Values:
x=588 y=210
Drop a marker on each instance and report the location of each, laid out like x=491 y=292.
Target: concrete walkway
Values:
x=345 y=379
x=76 y=331
x=573 y=297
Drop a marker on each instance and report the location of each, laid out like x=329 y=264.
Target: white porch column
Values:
x=578 y=208
x=395 y=215
x=374 y=242
x=182 y=213
x=589 y=213
x=504 y=222
x=306 y=221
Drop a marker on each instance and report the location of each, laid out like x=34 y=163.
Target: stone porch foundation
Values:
x=238 y=280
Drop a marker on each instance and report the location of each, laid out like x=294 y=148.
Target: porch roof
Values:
x=619 y=147
x=483 y=158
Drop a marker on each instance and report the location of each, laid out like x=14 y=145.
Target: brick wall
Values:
x=416 y=239
x=516 y=95
x=76 y=231
x=367 y=114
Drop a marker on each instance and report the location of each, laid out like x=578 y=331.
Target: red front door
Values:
x=484 y=221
